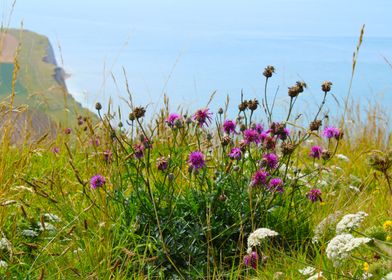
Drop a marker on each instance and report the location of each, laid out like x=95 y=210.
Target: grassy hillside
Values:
x=36 y=84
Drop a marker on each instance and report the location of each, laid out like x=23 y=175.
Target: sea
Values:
x=188 y=51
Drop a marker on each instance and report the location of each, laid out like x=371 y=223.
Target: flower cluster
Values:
x=258 y=235
x=332 y=132
x=97 y=181
x=340 y=247
x=350 y=222
x=196 y=160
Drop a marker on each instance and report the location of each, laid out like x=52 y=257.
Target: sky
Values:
x=188 y=49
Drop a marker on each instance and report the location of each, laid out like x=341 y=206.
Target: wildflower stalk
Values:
x=266 y=101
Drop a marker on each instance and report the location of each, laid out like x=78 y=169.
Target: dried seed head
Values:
x=243 y=106
x=242 y=127
x=226 y=140
x=98 y=106
x=315 y=125
x=138 y=112
x=295 y=90
x=287 y=148
x=253 y=104
x=326 y=155
x=326 y=86
x=268 y=71
x=381 y=161
x=220 y=111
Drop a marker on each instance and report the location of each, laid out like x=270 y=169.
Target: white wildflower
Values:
x=342 y=157
x=366 y=276
x=307 y=270
x=3 y=264
x=350 y=222
x=388 y=276
x=354 y=188
x=258 y=235
x=340 y=247
x=324 y=225
x=317 y=276
x=52 y=218
x=29 y=233
x=5 y=244
x=46 y=226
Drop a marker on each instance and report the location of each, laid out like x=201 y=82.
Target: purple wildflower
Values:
x=162 y=163
x=271 y=160
x=263 y=135
x=330 y=132
x=196 y=160
x=259 y=178
x=97 y=181
x=235 y=153
x=107 y=155
x=251 y=259
x=229 y=126
x=171 y=119
x=316 y=152
x=202 y=116
x=67 y=130
x=56 y=150
x=314 y=195
x=259 y=128
x=139 y=150
x=276 y=185
x=251 y=135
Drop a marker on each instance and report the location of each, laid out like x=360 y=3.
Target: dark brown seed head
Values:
x=326 y=86
x=253 y=104
x=138 y=112
x=287 y=148
x=220 y=111
x=226 y=140
x=315 y=125
x=325 y=154
x=243 y=106
x=98 y=106
x=268 y=71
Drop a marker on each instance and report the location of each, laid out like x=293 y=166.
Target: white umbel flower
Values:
x=3 y=264
x=340 y=247
x=29 y=233
x=324 y=225
x=307 y=270
x=5 y=244
x=388 y=276
x=350 y=222
x=317 y=276
x=52 y=218
x=259 y=234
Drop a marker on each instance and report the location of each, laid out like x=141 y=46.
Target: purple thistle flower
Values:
x=107 y=155
x=316 y=152
x=251 y=259
x=171 y=119
x=271 y=160
x=276 y=185
x=162 y=163
x=259 y=178
x=259 y=128
x=330 y=132
x=229 y=126
x=97 y=181
x=196 y=160
x=67 y=130
x=56 y=150
x=202 y=116
x=263 y=135
x=235 y=153
x=314 y=195
x=251 y=135
x=139 y=150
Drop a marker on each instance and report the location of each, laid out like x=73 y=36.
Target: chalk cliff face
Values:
x=40 y=85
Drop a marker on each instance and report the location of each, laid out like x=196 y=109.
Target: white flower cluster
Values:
x=307 y=270
x=52 y=218
x=5 y=244
x=340 y=247
x=46 y=226
x=317 y=276
x=259 y=234
x=388 y=276
x=350 y=222
x=3 y=264
x=29 y=233
x=324 y=225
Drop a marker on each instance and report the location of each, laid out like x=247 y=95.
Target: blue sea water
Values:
x=187 y=50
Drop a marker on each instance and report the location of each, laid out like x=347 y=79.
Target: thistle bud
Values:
x=268 y=71
x=220 y=111
x=243 y=106
x=98 y=106
x=253 y=104
x=326 y=86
